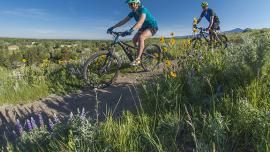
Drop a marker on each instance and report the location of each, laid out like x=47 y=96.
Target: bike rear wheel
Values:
x=102 y=69
x=151 y=57
x=223 y=41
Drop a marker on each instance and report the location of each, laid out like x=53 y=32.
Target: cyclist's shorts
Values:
x=216 y=26
x=152 y=29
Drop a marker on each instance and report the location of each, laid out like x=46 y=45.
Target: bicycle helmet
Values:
x=204 y=4
x=133 y=1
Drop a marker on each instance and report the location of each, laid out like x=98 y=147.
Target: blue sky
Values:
x=89 y=19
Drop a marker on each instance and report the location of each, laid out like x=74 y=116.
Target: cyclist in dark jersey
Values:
x=212 y=18
x=146 y=26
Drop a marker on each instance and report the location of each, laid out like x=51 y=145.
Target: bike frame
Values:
x=203 y=34
x=126 y=47
x=123 y=45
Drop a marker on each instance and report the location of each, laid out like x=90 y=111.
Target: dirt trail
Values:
x=116 y=98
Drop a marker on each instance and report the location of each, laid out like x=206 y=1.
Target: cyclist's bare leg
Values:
x=143 y=36
x=136 y=39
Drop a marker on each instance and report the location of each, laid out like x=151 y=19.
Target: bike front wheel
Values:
x=102 y=69
x=151 y=58
x=199 y=44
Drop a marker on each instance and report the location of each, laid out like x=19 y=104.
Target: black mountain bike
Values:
x=102 y=68
x=202 y=40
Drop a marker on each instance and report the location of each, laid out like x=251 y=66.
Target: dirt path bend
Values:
x=117 y=98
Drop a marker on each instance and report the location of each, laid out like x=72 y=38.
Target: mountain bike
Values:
x=202 y=39
x=102 y=68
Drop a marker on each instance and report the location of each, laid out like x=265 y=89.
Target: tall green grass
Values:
x=31 y=83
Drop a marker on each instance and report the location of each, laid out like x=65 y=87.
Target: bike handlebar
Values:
x=200 y=28
x=117 y=34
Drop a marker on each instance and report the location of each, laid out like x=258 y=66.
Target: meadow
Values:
x=38 y=68
x=202 y=101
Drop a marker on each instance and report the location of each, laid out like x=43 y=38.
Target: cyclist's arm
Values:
x=139 y=24
x=199 y=20
x=212 y=22
x=123 y=22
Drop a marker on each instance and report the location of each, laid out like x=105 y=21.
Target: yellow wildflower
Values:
x=103 y=56
x=173 y=74
x=189 y=42
x=61 y=61
x=165 y=49
x=172 y=33
x=172 y=42
x=186 y=43
x=195 y=21
x=162 y=39
x=195 y=30
x=24 y=60
x=168 y=63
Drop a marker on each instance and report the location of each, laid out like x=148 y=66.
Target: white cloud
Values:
x=28 y=13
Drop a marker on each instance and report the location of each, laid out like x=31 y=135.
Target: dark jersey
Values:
x=208 y=14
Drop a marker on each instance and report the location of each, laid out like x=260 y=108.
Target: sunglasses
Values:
x=131 y=4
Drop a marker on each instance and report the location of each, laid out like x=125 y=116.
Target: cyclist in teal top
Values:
x=146 y=26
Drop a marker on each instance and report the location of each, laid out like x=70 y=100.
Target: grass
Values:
x=31 y=83
x=216 y=102
x=17 y=89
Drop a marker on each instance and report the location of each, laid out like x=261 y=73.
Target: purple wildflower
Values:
x=29 y=125
x=33 y=122
x=41 y=121
x=51 y=124
x=19 y=126
x=56 y=120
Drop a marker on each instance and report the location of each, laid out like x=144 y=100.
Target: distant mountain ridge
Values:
x=236 y=30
